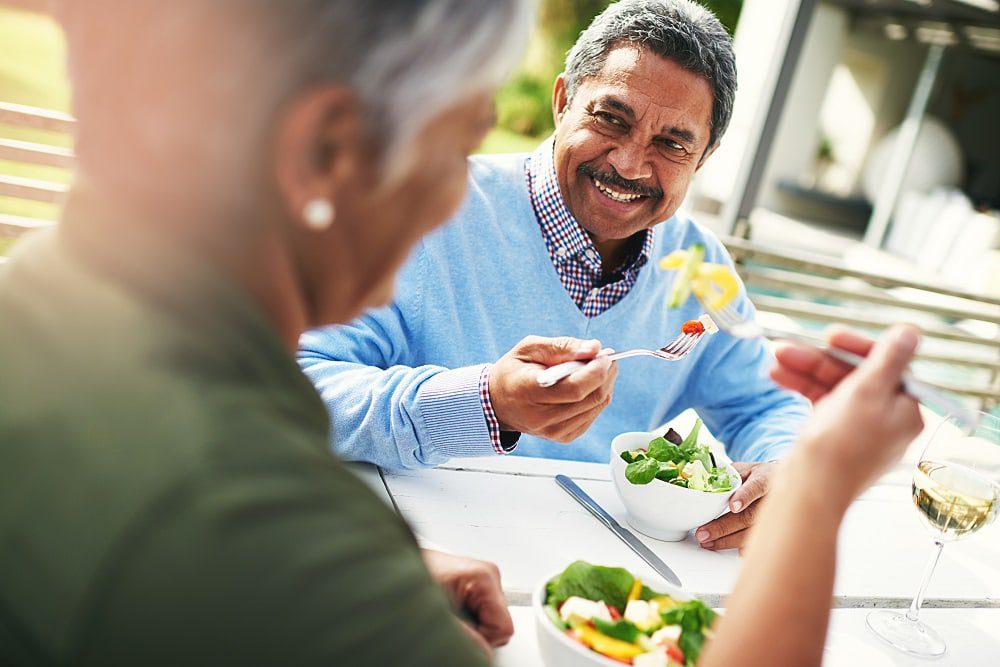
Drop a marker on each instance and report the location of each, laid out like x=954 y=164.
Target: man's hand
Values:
x=730 y=531
x=474 y=588
x=562 y=412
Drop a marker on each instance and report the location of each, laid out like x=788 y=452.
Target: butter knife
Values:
x=625 y=535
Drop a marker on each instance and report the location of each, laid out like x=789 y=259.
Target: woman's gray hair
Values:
x=409 y=59
x=188 y=88
x=680 y=30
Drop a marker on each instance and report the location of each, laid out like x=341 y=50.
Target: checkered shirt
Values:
x=576 y=261
x=572 y=252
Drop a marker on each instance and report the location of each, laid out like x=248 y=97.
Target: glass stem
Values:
x=914 y=609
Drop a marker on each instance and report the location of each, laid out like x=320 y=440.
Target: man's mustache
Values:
x=613 y=178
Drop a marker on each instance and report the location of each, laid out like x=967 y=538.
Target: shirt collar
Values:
x=564 y=237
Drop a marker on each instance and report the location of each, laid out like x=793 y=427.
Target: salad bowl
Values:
x=659 y=509
x=559 y=647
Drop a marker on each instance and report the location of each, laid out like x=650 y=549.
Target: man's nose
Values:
x=630 y=161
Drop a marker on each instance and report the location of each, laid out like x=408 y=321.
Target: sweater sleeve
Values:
x=733 y=393
x=386 y=410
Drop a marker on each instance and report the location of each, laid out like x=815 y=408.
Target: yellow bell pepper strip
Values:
x=722 y=285
x=609 y=646
x=635 y=592
x=663 y=603
x=681 y=290
x=712 y=283
x=674 y=260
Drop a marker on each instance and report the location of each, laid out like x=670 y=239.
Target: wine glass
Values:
x=956 y=490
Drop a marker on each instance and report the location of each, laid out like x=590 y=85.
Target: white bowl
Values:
x=560 y=650
x=659 y=509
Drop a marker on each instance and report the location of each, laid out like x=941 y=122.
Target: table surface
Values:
x=509 y=510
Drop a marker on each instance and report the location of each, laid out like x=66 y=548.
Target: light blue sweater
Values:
x=402 y=382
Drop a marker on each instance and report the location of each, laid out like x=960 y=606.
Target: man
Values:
x=559 y=243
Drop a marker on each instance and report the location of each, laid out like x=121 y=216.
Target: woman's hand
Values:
x=863 y=422
x=474 y=588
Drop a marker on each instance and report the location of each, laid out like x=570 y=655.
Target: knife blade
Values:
x=625 y=535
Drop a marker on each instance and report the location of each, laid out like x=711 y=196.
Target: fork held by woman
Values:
x=738 y=326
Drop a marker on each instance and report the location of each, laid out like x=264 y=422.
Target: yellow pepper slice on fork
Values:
x=714 y=284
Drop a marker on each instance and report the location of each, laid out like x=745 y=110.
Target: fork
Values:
x=675 y=350
x=732 y=322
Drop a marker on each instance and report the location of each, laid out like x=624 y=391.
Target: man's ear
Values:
x=704 y=158
x=560 y=99
x=317 y=146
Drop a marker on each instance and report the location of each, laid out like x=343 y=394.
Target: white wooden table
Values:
x=510 y=511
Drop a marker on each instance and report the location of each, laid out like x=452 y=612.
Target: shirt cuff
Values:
x=503 y=442
x=452 y=413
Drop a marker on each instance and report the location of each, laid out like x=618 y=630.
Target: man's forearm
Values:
x=779 y=610
x=402 y=417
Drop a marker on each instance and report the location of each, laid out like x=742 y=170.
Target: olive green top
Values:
x=166 y=492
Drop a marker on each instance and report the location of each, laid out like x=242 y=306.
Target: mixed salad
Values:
x=611 y=612
x=678 y=461
x=713 y=284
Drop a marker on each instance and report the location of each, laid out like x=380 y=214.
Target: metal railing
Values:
x=36 y=154
x=810 y=288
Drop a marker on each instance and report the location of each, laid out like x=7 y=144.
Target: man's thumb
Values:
x=892 y=353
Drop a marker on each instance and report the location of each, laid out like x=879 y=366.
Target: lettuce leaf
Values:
x=591 y=582
x=628 y=456
x=694 y=617
x=620 y=629
x=642 y=471
x=662 y=450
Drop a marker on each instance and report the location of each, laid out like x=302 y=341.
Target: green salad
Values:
x=678 y=461
x=611 y=612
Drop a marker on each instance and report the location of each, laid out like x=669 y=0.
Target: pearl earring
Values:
x=318 y=214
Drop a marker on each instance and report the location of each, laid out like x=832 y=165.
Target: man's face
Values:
x=628 y=145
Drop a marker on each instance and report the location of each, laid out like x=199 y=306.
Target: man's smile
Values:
x=615 y=195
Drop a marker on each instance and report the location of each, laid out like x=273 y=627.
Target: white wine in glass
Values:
x=956 y=491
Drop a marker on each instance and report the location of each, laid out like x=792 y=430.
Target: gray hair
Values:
x=410 y=59
x=195 y=83
x=680 y=30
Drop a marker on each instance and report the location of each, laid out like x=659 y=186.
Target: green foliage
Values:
x=728 y=12
x=524 y=105
x=500 y=140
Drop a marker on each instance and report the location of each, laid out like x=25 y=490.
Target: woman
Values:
x=247 y=169
x=778 y=613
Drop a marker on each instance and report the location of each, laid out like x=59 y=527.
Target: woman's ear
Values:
x=560 y=99
x=316 y=152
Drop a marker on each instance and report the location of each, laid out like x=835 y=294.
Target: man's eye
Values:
x=672 y=146
x=610 y=119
